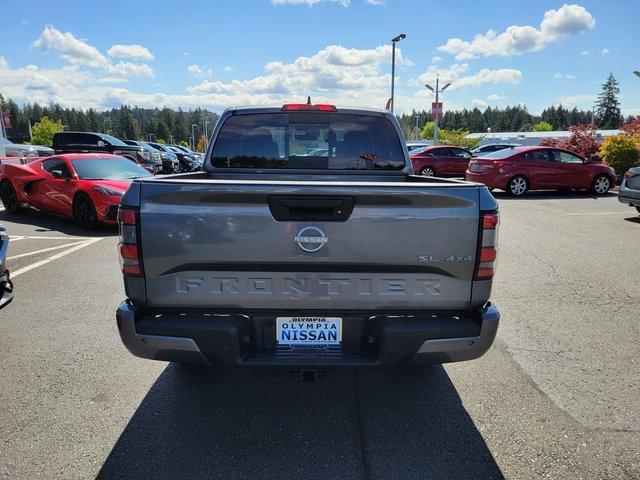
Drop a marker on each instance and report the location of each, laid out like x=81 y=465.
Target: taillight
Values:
x=486 y=260
x=130 y=261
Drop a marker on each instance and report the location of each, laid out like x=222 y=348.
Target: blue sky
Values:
x=221 y=53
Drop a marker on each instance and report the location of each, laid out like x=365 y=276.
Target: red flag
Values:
x=388 y=107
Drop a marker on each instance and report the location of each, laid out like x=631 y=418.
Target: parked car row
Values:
x=156 y=157
x=15 y=150
x=516 y=169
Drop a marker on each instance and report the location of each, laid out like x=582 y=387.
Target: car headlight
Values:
x=145 y=155
x=112 y=192
x=31 y=153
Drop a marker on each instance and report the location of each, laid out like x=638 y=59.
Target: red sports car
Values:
x=85 y=187
x=519 y=169
x=440 y=161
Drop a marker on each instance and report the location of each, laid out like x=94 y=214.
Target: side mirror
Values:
x=58 y=174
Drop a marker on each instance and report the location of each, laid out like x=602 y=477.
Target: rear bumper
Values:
x=370 y=339
x=491 y=180
x=628 y=196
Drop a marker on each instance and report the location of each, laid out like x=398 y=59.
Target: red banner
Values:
x=6 y=119
x=436 y=111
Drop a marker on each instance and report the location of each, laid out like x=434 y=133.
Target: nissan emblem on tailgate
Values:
x=311 y=239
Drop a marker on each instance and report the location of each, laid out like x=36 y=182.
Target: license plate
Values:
x=309 y=330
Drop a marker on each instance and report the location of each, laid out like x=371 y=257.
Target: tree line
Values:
x=166 y=124
x=605 y=114
x=126 y=122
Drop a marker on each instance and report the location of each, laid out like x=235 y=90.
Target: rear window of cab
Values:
x=308 y=140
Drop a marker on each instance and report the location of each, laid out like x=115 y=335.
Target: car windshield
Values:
x=108 y=168
x=113 y=140
x=505 y=152
x=308 y=140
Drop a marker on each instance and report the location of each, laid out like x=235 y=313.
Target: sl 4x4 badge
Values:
x=450 y=258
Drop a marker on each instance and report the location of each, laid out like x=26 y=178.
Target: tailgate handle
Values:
x=287 y=208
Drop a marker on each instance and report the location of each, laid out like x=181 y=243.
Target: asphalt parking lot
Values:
x=557 y=395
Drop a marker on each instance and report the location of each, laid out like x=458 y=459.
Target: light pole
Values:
x=437 y=91
x=206 y=132
x=193 y=136
x=394 y=40
x=151 y=135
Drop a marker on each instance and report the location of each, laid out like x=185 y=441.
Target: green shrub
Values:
x=620 y=152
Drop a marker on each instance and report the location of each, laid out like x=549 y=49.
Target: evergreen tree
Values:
x=608 y=114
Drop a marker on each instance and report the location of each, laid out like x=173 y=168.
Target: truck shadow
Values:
x=264 y=424
x=44 y=222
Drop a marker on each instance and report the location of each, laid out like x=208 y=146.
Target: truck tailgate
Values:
x=216 y=244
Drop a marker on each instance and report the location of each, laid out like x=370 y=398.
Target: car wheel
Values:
x=517 y=186
x=9 y=197
x=84 y=212
x=427 y=172
x=601 y=185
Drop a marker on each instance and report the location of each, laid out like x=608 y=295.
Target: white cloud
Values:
x=584 y=53
x=70 y=48
x=130 y=51
x=335 y=74
x=310 y=3
x=495 y=98
x=518 y=39
x=373 y=2
x=585 y=100
x=481 y=104
x=195 y=70
x=564 y=76
x=436 y=59
x=80 y=53
x=128 y=69
x=456 y=74
x=604 y=51
x=198 y=71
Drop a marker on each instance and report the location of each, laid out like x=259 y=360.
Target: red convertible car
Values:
x=85 y=187
x=519 y=169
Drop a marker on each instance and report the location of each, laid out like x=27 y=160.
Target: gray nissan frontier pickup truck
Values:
x=307 y=242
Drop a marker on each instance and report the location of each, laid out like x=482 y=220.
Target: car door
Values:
x=541 y=168
x=573 y=173
x=55 y=191
x=459 y=161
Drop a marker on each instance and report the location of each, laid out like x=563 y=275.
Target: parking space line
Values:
x=28 y=268
x=44 y=250
x=22 y=237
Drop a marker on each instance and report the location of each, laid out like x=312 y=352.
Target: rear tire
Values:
x=428 y=172
x=84 y=212
x=9 y=197
x=517 y=186
x=601 y=185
